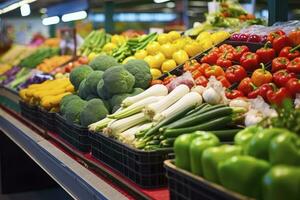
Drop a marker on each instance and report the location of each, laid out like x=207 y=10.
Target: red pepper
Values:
x=233 y=94
x=274 y=35
x=280 y=42
x=253 y=94
x=203 y=67
x=214 y=70
x=261 y=76
x=294 y=66
x=293 y=86
x=266 y=54
x=290 y=52
x=281 y=77
x=263 y=90
x=226 y=48
x=279 y=63
x=246 y=86
x=224 y=61
x=191 y=65
x=168 y=79
x=201 y=80
x=224 y=81
x=155 y=82
x=249 y=61
x=210 y=58
x=196 y=73
x=278 y=96
x=239 y=51
x=215 y=50
x=235 y=73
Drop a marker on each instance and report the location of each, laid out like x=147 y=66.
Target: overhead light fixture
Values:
x=43 y=10
x=25 y=10
x=15 y=6
x=50 y=20
x=74 y=16
x=170 y=5
x=160 y=1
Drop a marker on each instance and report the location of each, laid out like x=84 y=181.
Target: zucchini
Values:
x=167 y=142
x=202 y=106
x=151 y=147
x=153 y=142
x=226 y=135
x=208 y=126
x=204 y=117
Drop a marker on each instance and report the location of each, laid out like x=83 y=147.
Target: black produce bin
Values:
x=75 y=135
x=184 y=185
x=47 y=119
x=30 y=112
x=145 y=168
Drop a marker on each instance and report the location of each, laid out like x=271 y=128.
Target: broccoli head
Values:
x=92 y=81
x=79 y=74
x=103 y=62
x=141 y=71
x=91 y=96
x=116 y=100
x=83 y=91
x=73 y=110
x=102 y=91
x=65 y=100
x=118 y=80
x=93 y=111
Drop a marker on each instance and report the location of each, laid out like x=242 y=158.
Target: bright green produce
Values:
x=244 y=136
x=226 y=134
x=285 y=149
x=79 y=74
x=21 y=77
x=213 y=156
x=197 y=146
x=83 y=92
x=65 y=100
x=92 y=81
x=116 y=100
x=243 y=174
x=258 y=146
x=141 y=71
x=182 y=150
x=38 y=56
x=94 y=42
x=118 y=80
x=102 y=91
x=73 y=110
x=93 y=111
x=103 y=62
x=282 y=182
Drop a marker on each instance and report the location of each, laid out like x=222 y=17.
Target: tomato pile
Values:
x=270 y=72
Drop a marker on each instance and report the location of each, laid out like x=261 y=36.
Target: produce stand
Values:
x=82 y=176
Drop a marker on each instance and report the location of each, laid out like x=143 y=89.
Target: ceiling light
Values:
x=170 y=5
x=15 y=6
x=50 y=20
x=25 y=10
x=43 y=10
x=160 y=1
x=74 y=16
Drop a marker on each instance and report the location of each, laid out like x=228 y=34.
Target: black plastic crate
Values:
x=47 y=119
x=183 y=185
x=75 y=135
x=145 y=168
x=30 y=112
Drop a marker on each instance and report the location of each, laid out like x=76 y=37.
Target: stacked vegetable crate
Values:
x=145 y=168
x=29 y=112
x=75 y=135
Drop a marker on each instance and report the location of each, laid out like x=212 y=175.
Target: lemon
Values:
x=179 y=44
x=180 y=57
x=206 y=44
x=141 y=54
x=202 y=36
x=220 y=36
x=163 y=38
x=174 y=35
x=168 y=65
x=168 y=49
x=156 y=73
x=159 y=58
x=127 y=59
x=152 y=48
x=193 y=48
x=152 y=62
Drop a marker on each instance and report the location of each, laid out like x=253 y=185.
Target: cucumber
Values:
x=167 y=142
x=211 y=125
x=226 y=135
x=153 y=142
x=198 y=119
x=202 y=106
x=151 y=147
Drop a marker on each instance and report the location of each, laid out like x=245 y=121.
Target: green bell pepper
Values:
x=197 y=147
x=243 y=174
x=212 y=156
x=282 y=182
x=285 y=149
x=243 y=137
x=182 y=150
x=258 y=146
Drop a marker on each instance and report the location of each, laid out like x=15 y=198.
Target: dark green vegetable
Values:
x=202 y=106
x=226 y=135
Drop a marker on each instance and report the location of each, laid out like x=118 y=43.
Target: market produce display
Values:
x=50 y=64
